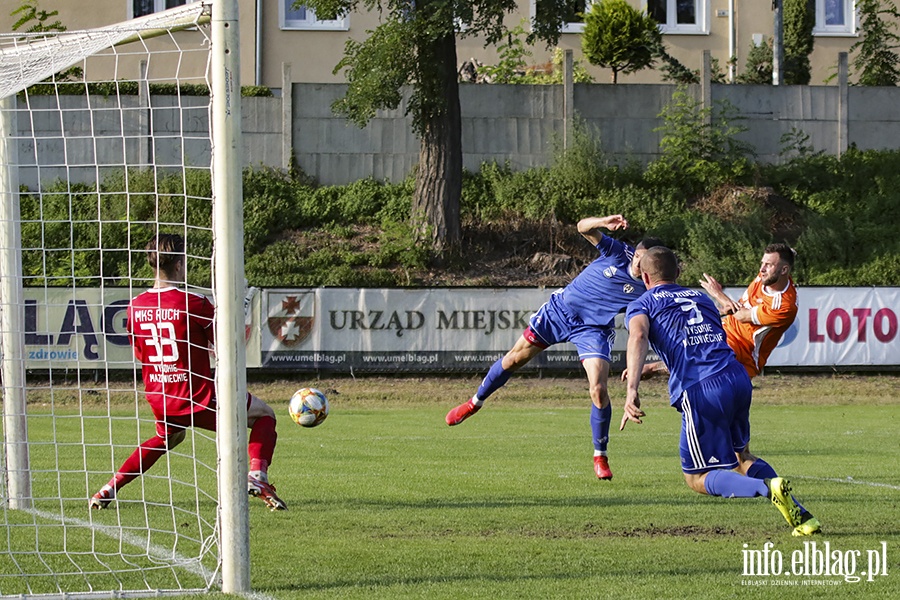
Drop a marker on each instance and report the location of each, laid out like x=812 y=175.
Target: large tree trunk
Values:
x=435 y=207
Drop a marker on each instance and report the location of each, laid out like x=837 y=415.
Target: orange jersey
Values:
x=771 y=314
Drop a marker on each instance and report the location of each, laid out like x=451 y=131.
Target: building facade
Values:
x=275 y=33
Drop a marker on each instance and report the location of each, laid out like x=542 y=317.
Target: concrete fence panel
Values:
x=516 y=125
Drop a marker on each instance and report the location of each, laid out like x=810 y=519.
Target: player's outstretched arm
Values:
x=726 y=305
x=636 y=355
x=590 y=227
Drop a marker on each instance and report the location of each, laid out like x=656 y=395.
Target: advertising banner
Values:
x=77 y=328
x=84 y=328
x=400 y=330
x=841 y=327
x=349 y=330
x=466 y=330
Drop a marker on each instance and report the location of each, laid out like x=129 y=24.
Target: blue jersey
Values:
x=686 y=331
x=605 y=287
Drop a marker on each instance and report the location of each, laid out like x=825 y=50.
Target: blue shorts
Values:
x=715 y=421
x=553 y=323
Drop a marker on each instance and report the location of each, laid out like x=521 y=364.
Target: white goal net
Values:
x=110 y=137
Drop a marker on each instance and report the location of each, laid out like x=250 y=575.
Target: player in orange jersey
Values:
x=755 y=323
x=753 y=327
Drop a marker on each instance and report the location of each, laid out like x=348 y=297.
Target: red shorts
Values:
x=205 y=418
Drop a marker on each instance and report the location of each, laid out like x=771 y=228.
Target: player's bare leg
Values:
x=519 y=356
x=597 y=371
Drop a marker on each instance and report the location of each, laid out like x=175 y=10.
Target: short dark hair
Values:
x=165 y=251
x=660 y=263
x=649 y=242
x=784 y=252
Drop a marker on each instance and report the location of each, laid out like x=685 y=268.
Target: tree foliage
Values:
x=30 y=18
x=37 y=20
x=619 y=37
x=875 y=59
x=410 y=57
x=513 y=68
x=799 y=21
x=400 y=50
x=675 y=71
x=758 y=69
x=377 y=69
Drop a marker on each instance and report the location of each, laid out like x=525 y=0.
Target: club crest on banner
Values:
x=291 y=316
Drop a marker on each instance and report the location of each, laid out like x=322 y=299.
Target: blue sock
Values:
x=600 y=418
x=729 y=484
x=763 y=470
x=495 y=379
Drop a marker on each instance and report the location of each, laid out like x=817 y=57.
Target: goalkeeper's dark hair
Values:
x=165 y=251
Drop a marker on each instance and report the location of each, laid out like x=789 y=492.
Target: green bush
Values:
x=649 y=211
x=132 y=88
x=729 y=251
x=836 y=211
x=700 y=148
x=98 y=226
x=566 y=190
x=286 y=264
x=496 y=192
x=397 y=246
x=269 y=207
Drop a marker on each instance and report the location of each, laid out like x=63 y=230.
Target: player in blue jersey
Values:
x=582 y=313
x=707 y=385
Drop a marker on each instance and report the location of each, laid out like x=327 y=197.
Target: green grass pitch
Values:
x=386 y=501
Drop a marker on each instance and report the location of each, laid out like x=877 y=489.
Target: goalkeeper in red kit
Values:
x=171 y=331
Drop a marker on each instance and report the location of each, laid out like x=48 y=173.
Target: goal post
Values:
x=231 y=371
x=122 y=146
x=12 y=344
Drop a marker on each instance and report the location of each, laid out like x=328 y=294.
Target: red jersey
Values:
x=171 y=331
x=771 y=314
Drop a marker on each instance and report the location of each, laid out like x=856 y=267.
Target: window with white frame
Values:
x=835 y=17
x=573 y=21
x=302 y=17
x=679 y=16
x=140 y=8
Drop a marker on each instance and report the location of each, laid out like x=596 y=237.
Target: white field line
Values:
x=188 y=564
x=848 y=480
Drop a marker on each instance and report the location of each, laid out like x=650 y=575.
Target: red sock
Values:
x=258 y=464
x=262 y=443
x=144 y=457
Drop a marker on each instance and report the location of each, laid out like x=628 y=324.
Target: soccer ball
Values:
x=308 y=407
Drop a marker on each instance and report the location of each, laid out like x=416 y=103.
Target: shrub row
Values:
x=707 y=199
